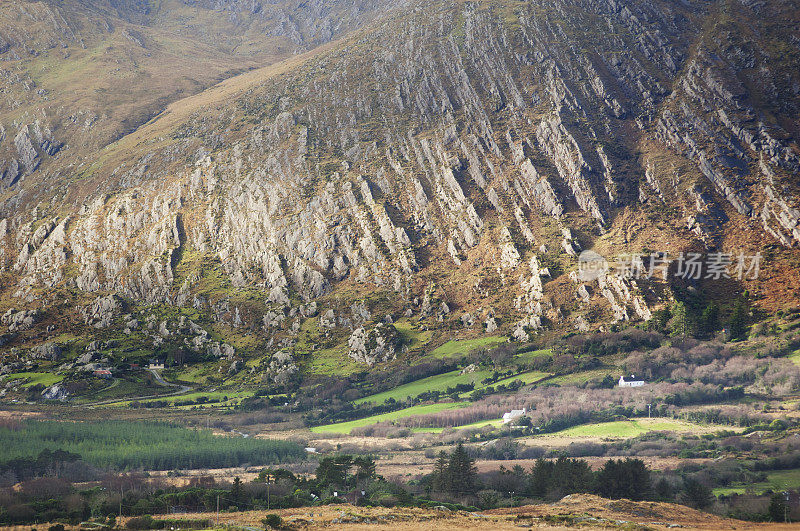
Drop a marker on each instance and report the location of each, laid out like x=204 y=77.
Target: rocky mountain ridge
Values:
x=452 y=176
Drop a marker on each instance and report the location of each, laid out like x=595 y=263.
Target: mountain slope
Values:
x=445 y=163
x=82 y=73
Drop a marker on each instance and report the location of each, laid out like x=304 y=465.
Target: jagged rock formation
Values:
x=47 y=351
x=494 y=143
x=55 y=392
x=282 y=367
x=379 y=344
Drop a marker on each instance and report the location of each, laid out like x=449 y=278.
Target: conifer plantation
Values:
x=140 y=445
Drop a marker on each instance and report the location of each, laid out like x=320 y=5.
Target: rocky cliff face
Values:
x=452 y=159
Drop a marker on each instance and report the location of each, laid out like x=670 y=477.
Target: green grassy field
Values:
x=347 y=427
x=439 y=382
x=527 y=357
x=36 y=378
x=779 y=480
x=624 y=429
x=582 y=377
x=465 y=346
x=795 y=357
x=333 y=362
x=412 y=337
x=525 y=377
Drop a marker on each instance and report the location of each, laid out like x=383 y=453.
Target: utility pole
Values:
x=268 y=481
x=648 y=410
x=217 y=525
x=786 y=507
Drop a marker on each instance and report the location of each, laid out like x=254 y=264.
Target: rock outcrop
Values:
x=381 y=343
x=47 y=351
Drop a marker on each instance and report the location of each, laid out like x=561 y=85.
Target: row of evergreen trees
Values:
x=456 y=474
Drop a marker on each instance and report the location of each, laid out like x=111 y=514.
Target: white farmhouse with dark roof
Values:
x=631 y=382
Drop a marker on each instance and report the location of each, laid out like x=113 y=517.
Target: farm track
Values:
x=160 y=381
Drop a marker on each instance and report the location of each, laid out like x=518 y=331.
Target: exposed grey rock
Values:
x=508 y=123
x=282 y=367
x=28 y=155
x=273 y=319
x=83 y=359
x=55 y=392
x=379 y=344
x=360 y=313
x=469 y=369
x=327 y=320
x=583 y=293
x=19 y=320
x=102 y=311
x=47 y=351
x=220 y=350
x=581 y=324
x=309 y=310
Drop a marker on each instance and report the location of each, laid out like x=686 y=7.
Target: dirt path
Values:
x=182 y=389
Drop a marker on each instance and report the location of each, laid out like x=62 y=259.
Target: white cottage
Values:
x=630 y=383
x=513 y=414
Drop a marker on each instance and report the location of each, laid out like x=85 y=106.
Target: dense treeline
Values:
x=455 y=474
x=338 y=478
x=140 y=445
x=47 y=463
x=606 y=343
x=455 y=482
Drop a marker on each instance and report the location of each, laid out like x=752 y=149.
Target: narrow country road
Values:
x=160 y=380
x=182 y=389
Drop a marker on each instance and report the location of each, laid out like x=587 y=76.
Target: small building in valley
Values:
x=630 y=383
x=513 y=414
